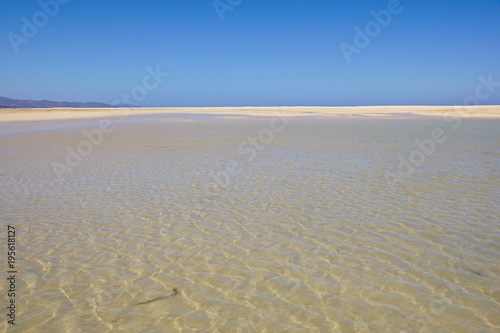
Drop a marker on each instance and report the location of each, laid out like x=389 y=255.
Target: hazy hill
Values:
x=28 y=103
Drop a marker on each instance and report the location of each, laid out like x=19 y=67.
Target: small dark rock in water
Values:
x=475 y=272
x=175 y=292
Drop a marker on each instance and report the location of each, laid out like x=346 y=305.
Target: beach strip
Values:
x=480 y=111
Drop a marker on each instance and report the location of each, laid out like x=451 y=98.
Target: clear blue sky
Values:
x=264 y=52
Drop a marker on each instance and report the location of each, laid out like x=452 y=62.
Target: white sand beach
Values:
x=483 y=111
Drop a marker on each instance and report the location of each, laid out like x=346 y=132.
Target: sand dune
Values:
x=488 y=111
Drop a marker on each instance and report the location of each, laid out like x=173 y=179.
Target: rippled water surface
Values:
x=260 y=225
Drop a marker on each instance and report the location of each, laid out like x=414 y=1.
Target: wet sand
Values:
x=488 y=111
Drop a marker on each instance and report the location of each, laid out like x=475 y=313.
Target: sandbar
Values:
x=479 y=111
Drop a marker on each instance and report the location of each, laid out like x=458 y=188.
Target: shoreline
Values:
x=482 y=111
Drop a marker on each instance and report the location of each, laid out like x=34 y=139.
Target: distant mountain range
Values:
x=28 y=103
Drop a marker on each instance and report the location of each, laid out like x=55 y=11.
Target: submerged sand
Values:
x=483 y=111
x=315 y=228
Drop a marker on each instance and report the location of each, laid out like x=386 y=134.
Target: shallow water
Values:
x=313 y=229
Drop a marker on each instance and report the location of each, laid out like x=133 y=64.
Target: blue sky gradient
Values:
x=264 y=53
